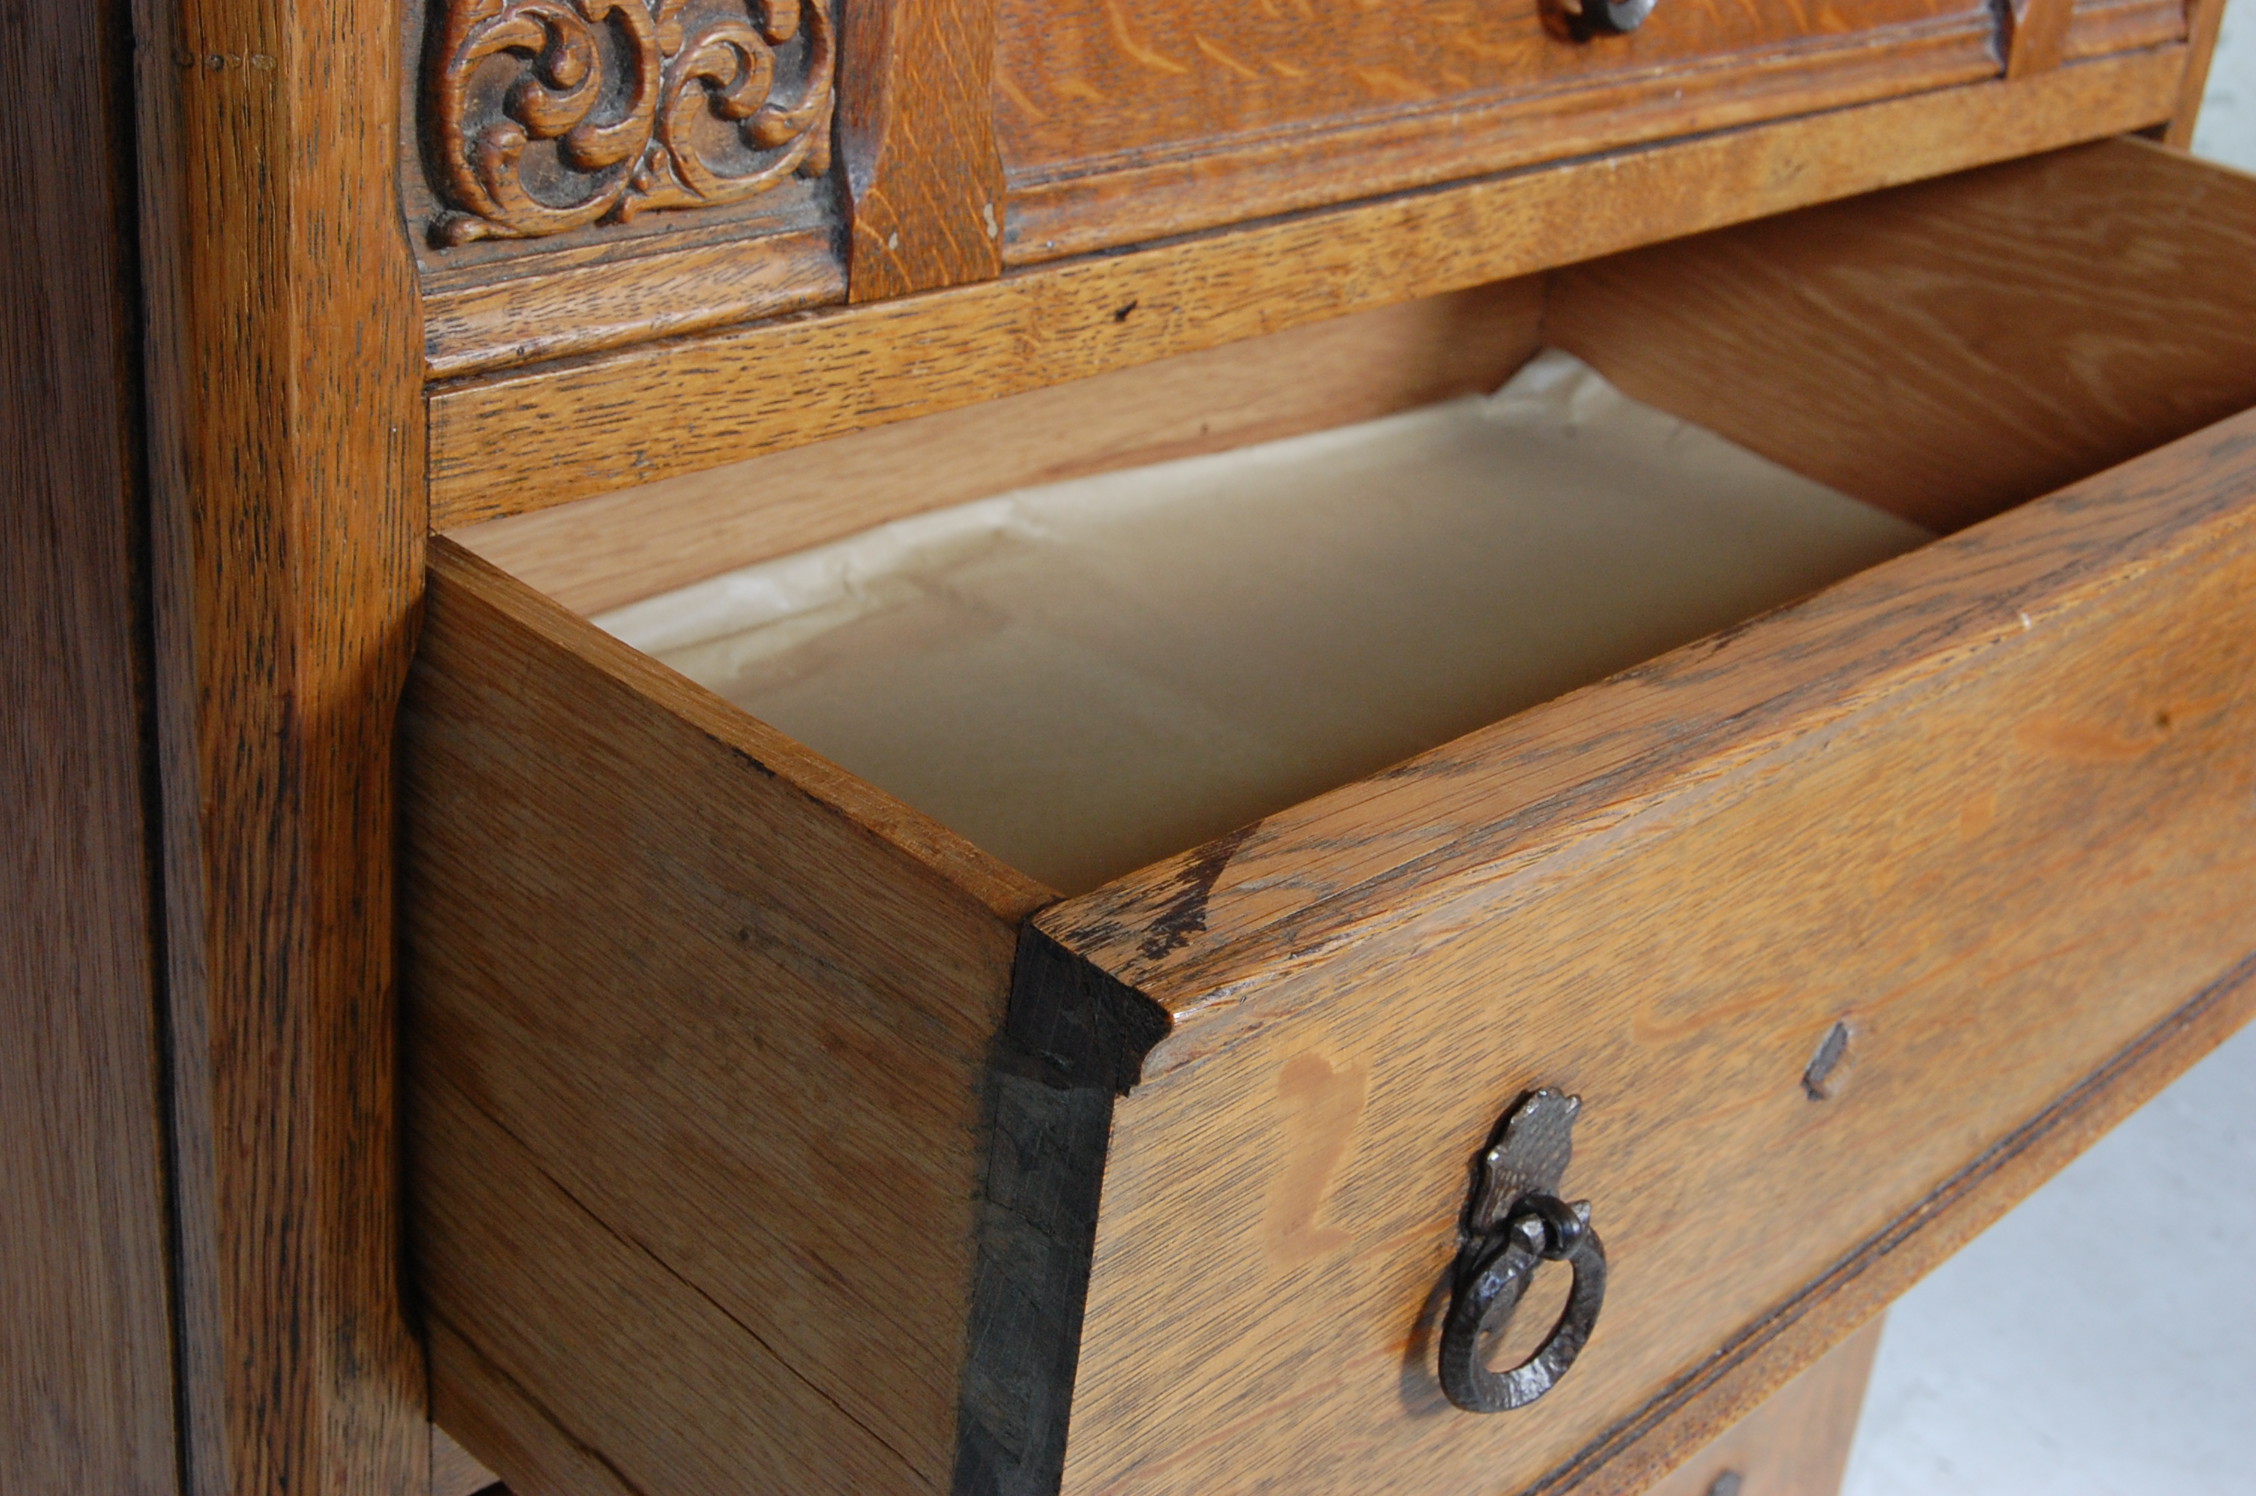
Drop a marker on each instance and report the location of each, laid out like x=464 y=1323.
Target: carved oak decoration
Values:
x=546 y=115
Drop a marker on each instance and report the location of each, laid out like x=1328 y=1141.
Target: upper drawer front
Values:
x=1121 y=123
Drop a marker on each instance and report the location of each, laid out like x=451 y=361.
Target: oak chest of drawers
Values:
x=759 y=1131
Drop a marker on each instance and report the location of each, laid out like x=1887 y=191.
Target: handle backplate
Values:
x=1514 y=1222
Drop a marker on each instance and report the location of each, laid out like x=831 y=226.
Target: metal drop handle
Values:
x=1514 y=1223
x=1492 y=1277
x=1582 y=20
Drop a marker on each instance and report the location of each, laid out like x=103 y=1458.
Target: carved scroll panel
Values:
x=547 y=115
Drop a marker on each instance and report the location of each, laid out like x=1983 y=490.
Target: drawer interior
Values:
x=1093 y=626
x=1085 y=677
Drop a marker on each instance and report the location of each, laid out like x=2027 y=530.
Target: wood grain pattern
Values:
x=1970 y=821
x=1523 y=786
x=1911 y=348
x=1120 y=197
x=1797 y=1443
x=511 y=443
x=495 y=1414
x=1118 y=127
x=1172 y=76
x=494 y=312
x=454 y=1470
x=585 y=301
x=616 y=548
x=2035 y=35
x=284 y=440
x=1883 y=1269
x=2203 y=18
x=2009 y=774
x=2099 y=27
x=626 y=276
x=733 y=1008
x=86 y=1376
x=662 y=1382
x=924 y=184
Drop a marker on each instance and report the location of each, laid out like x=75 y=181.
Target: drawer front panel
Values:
x=2099 y=27
x=1119 y=125
x=1997 y=867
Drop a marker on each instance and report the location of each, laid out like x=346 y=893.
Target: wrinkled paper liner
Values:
x=1088 y=676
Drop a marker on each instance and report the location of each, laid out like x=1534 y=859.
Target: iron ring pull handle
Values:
x=1492 y=1274
x=1584 y=20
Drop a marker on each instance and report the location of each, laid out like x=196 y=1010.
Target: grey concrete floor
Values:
x=2101 y=1339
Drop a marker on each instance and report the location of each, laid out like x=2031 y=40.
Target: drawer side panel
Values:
x=1947 y=349
x=695 y=1055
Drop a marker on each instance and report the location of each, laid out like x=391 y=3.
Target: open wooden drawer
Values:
x=768 y=1135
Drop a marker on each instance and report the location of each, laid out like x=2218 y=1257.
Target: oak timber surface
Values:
x=86 y=1375
x=916 y=135
x=1860 y=1285
x=1834 y=686
x=300 y=1366
x=2098 y=27
x=2035 y=35
x=2204 y=18
x=1945 y=313
x=510 y=443
x=2068 y=312
x=454 y=1470
x=732 y=1008
x=1118 y=126
x=282 y=353
x=1797 y=1443
x=673 y=1390
x=527 y=248
x=916 y=202
x=487 y=1408
x=924 y=201
x=2014 y=820
x=616 y=548
x=580 y=301
x=1782 y=309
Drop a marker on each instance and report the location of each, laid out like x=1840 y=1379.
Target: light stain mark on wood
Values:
x=2084 y=742
x=1977 y=814
x=1320 y=1108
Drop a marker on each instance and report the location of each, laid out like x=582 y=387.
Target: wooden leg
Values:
x=1796 y=1444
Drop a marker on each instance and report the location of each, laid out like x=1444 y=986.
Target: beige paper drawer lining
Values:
x=1087 y=676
